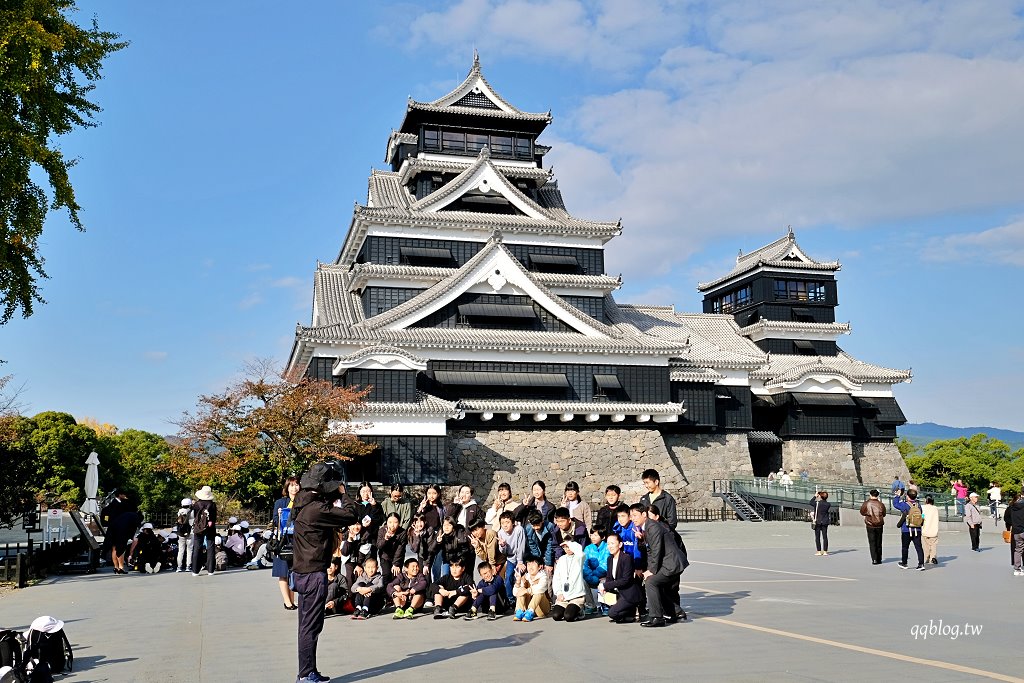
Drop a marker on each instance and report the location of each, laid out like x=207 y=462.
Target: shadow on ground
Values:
x=419 y=659
x=705 y=604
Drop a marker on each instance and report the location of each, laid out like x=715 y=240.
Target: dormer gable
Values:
x=481 y=182
x=493 y=270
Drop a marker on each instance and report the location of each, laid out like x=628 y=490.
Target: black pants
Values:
x=660 y=595
x=875 y=543
x=197 y=551
x=975 y=532
x=622 y=610
x=821 y=537
x=312 y=588
x=914 y=538
x=570 y=612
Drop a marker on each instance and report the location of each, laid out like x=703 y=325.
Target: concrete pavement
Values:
x=763 y=607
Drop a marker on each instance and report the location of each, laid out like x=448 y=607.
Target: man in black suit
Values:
x=665 y=562
x=620 y=580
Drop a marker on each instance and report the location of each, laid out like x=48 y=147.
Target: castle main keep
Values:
x=479 y=311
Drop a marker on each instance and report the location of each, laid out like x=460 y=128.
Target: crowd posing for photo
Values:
x=528 y=557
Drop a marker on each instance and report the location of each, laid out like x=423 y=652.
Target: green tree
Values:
x=48 y=67
x=18 y=470
x=138 y=455
x=974 y=459
x=906 y=447
x=60 y=447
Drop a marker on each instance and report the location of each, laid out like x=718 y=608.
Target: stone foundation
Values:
x=824 y=460
x=878 y=462
x=594 y=459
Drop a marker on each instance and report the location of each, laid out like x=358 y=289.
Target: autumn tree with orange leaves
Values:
x=244 y=441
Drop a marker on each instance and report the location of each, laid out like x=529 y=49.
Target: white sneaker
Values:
x=1018 y=572
x=149 y=568
x=156 y=568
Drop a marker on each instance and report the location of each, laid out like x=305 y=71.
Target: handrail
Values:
x=840 y=494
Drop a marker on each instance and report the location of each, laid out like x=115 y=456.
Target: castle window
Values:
x=453 y=141
x=523 y=148
x=802 y=347
x=431 y=138
x=798 y=290
x=501 y=144
x=736 y=299
x=475 y=142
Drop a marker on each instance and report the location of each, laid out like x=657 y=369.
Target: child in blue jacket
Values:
x=595 y=566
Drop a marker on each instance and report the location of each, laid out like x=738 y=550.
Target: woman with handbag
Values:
x=820 y=519
x=283 y=528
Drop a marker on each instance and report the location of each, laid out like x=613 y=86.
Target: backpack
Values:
x=182 y=527
x=201 y=522
x=12 y=655
x=914 y=517
x=51 y=649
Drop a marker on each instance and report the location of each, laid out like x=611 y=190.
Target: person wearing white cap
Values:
x=204 y=530
x=183 y=527
x=972 y=518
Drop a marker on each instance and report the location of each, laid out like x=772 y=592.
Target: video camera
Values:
x=324 y=477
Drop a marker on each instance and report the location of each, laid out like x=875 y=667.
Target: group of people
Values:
x=919 y=523
x=531 y=556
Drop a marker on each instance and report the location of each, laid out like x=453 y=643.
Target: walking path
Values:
x=762 y=607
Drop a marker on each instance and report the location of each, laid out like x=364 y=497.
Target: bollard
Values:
x=21 y=571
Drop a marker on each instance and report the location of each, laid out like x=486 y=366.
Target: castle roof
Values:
x=713 y=340
x=475 y=97
x=785 y=369
x=362 y=272
x=783 y=253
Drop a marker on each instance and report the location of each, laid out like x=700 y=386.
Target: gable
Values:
x=493 y=271
x=481 y=183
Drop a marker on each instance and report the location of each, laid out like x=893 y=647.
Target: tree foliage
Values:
x=977 y=460
x=18 y=470
x=48 y=67
x=247 y=438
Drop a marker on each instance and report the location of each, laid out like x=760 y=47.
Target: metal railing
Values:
x=840 y=494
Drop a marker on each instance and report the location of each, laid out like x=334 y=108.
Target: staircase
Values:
x=745 y=509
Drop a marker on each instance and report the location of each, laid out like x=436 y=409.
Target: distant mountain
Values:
x=925 y=432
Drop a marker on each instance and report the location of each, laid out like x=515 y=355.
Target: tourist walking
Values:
x=972 y=519
x=1013 y=518
x=910 y=527
x=995 y=494
x=820 y=520
x=283 y=528
x=873 y=511
x=204 y=529
x=930 y=530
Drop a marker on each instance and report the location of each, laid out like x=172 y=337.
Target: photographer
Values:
x=318 y=511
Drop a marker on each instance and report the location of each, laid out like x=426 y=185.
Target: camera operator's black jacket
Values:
x=316 y=524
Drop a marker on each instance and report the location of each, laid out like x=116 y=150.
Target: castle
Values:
x=479 y=311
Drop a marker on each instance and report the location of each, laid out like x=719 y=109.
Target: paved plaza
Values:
x=762 y=608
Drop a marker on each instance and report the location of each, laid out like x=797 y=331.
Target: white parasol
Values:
x=92 y=484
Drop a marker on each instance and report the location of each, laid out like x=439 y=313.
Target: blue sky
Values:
x=235 y=138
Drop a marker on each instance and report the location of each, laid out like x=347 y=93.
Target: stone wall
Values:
x=878 y=462
x=595 y=458
x=824 y=460
x=839 y=460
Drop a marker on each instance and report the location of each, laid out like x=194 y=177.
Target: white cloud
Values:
x=288 y=282
x=1004 y=245
x=155 y=356
x=742 y=118
x=253 y=299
